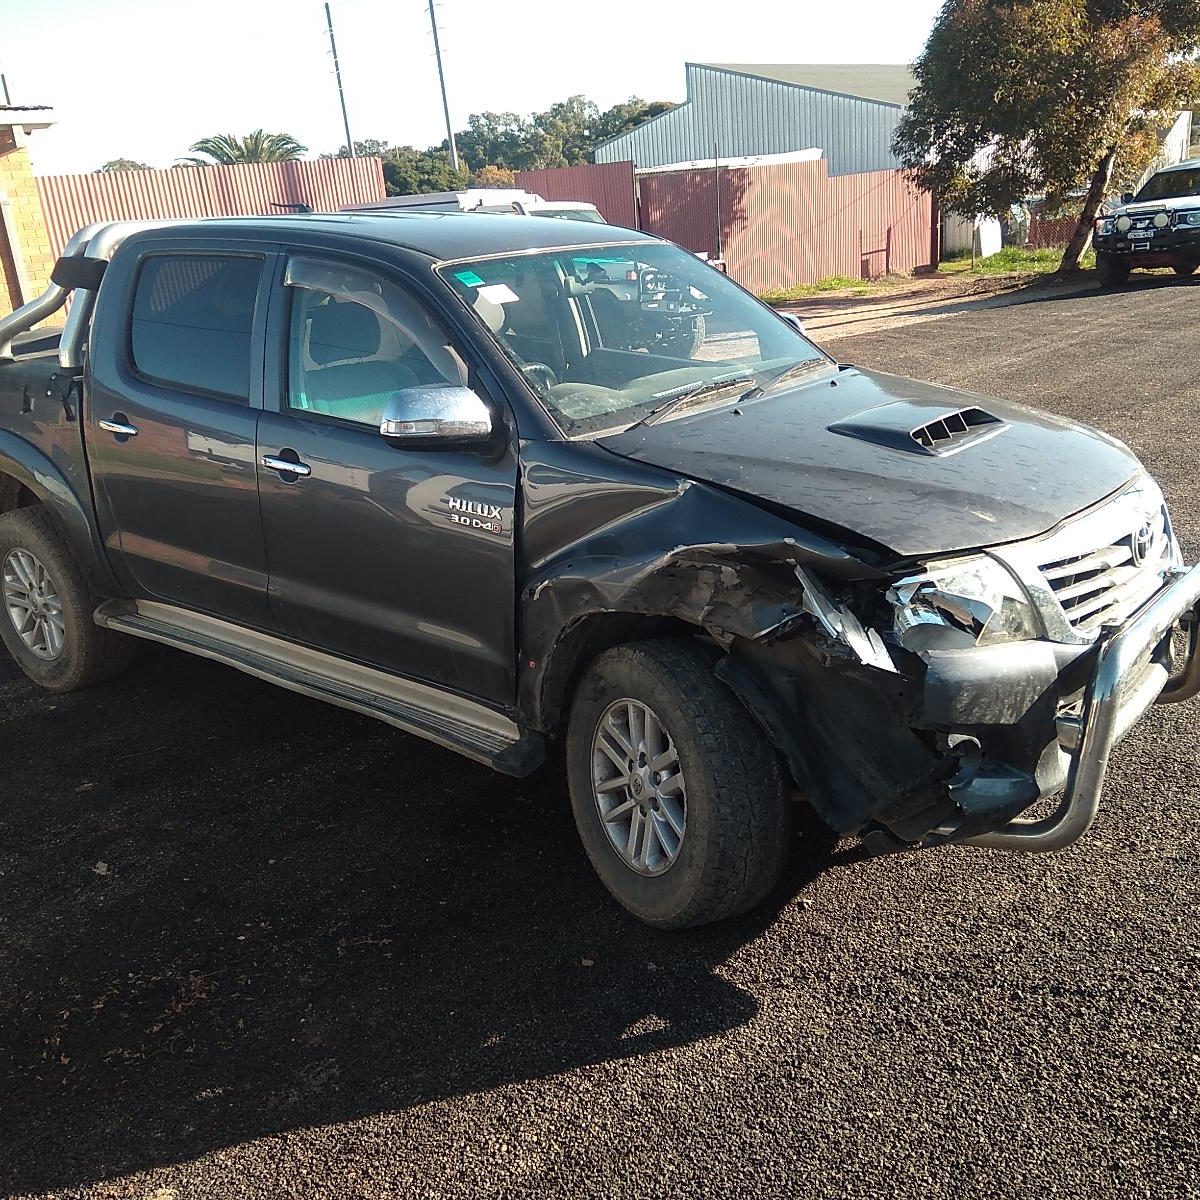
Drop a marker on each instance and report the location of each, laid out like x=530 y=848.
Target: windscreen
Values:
x=612 y=335
x=1168 y=184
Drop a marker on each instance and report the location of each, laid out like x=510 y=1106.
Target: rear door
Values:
x=175 y=397
x=400 y=559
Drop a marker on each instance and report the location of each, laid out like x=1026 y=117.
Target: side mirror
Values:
x=1126 y=197
x=436 y=417
x=796 y=323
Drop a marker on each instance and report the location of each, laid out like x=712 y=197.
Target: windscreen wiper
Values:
x=785 y=376
x=694 y=393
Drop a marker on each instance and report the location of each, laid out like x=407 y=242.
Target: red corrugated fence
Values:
x=792 y=223
x=780 y=224
x=609 y=186
x=249 y=189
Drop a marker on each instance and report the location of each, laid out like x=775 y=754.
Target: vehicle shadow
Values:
x=228 y=911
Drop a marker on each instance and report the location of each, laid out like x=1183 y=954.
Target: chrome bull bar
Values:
x=1104 y=718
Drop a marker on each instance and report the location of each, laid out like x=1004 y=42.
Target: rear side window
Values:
x=192 y=321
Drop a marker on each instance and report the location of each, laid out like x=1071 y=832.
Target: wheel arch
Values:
x=28 y=478
x=580 y=645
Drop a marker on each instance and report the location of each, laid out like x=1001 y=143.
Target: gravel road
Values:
x=252 y=946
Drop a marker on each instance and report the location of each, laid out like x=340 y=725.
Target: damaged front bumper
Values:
x=958 y=747
x=1124 y=682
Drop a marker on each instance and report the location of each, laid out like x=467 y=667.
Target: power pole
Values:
x=337 y=70
x=437 y=51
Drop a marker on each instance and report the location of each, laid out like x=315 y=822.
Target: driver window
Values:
x=355 y=342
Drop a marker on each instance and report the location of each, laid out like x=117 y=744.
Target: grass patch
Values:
x=831 y=283
x=1012 y=260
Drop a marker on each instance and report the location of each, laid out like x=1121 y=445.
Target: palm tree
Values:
x=226 y=149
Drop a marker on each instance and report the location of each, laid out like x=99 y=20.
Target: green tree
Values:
x=495 y=139
x=367 y=148
x=122 y=164
x=226 y=149
x=411 y=172
x=1057 y=97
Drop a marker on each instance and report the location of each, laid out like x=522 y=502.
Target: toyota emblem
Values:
x=1142 y=543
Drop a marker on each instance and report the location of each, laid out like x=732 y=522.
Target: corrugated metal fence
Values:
x=609 y=186
x=781 y=224
x=249 y=189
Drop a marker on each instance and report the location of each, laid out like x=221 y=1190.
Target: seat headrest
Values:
x=338 y=331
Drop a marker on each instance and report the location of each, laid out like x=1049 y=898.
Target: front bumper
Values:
x=1163 y=248
x=1121 y=688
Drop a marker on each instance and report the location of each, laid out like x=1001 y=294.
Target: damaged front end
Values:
x=943 y=709
x=914 y=706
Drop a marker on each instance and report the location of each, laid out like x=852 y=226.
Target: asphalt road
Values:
x=252 y=946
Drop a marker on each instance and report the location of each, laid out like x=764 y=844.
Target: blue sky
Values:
x=144 y=79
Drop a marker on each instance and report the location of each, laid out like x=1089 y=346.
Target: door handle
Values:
x=286 y=466
x=120 y=428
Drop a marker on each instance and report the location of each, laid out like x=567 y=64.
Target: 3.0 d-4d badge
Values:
x=475 y=515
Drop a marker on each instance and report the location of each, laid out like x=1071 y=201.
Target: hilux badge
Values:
x=474 y=515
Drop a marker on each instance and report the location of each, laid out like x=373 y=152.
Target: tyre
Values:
x=1111 y=272
x=1185 y=269
x=678 y=797
x=46 y=611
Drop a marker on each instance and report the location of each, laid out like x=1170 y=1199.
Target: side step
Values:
x=449 y=720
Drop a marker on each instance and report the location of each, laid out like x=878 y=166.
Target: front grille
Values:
x=1105 y=585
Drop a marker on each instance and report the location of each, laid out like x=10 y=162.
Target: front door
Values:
x=401 y=559
x=173 y=401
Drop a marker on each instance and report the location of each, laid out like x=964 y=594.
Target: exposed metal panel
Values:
x=609 y=186
x=745 y=115
x=792 y=223
x=249 y=189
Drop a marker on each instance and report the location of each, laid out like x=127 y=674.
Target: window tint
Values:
x=355 y=341
x=192 y=322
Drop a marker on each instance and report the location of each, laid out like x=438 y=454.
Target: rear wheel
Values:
x=1111 y=272
x=1185 y=268
x=46 y=611
x=678 y=797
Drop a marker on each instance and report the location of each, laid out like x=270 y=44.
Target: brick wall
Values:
x=29 y=226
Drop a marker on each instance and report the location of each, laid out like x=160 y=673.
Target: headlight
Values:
x=1161 y=220
x=1124 y=224
x=1191 y=218
x=961 y=603
x=1105 y=227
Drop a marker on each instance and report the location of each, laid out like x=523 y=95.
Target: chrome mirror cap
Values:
x=437 y=415
x=795 y=322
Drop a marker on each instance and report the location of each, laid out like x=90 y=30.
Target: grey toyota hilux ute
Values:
x=467 y=475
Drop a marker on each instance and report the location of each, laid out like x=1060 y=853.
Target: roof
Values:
x=29 y=116
x=1188 y=164
x=888 y=83
x=440 y=235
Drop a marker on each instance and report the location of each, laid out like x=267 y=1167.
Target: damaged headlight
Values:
x=958 y=604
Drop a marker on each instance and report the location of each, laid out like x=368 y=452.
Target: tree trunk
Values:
x=1082 y=237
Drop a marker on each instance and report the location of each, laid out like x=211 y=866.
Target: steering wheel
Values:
x=539 y=374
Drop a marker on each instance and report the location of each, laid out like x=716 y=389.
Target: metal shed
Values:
x=740 y=110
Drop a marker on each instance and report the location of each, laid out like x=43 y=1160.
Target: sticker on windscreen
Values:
x=469 y=278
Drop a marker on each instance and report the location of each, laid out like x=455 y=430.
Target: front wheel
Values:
x=679 y=799
x=1185 y=269
x=1111 y=272
x=46 y=611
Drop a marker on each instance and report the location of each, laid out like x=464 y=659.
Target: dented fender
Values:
x=728 y=570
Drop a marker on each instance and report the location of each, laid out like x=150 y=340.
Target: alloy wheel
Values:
x=33 y=604
x=638 y=786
